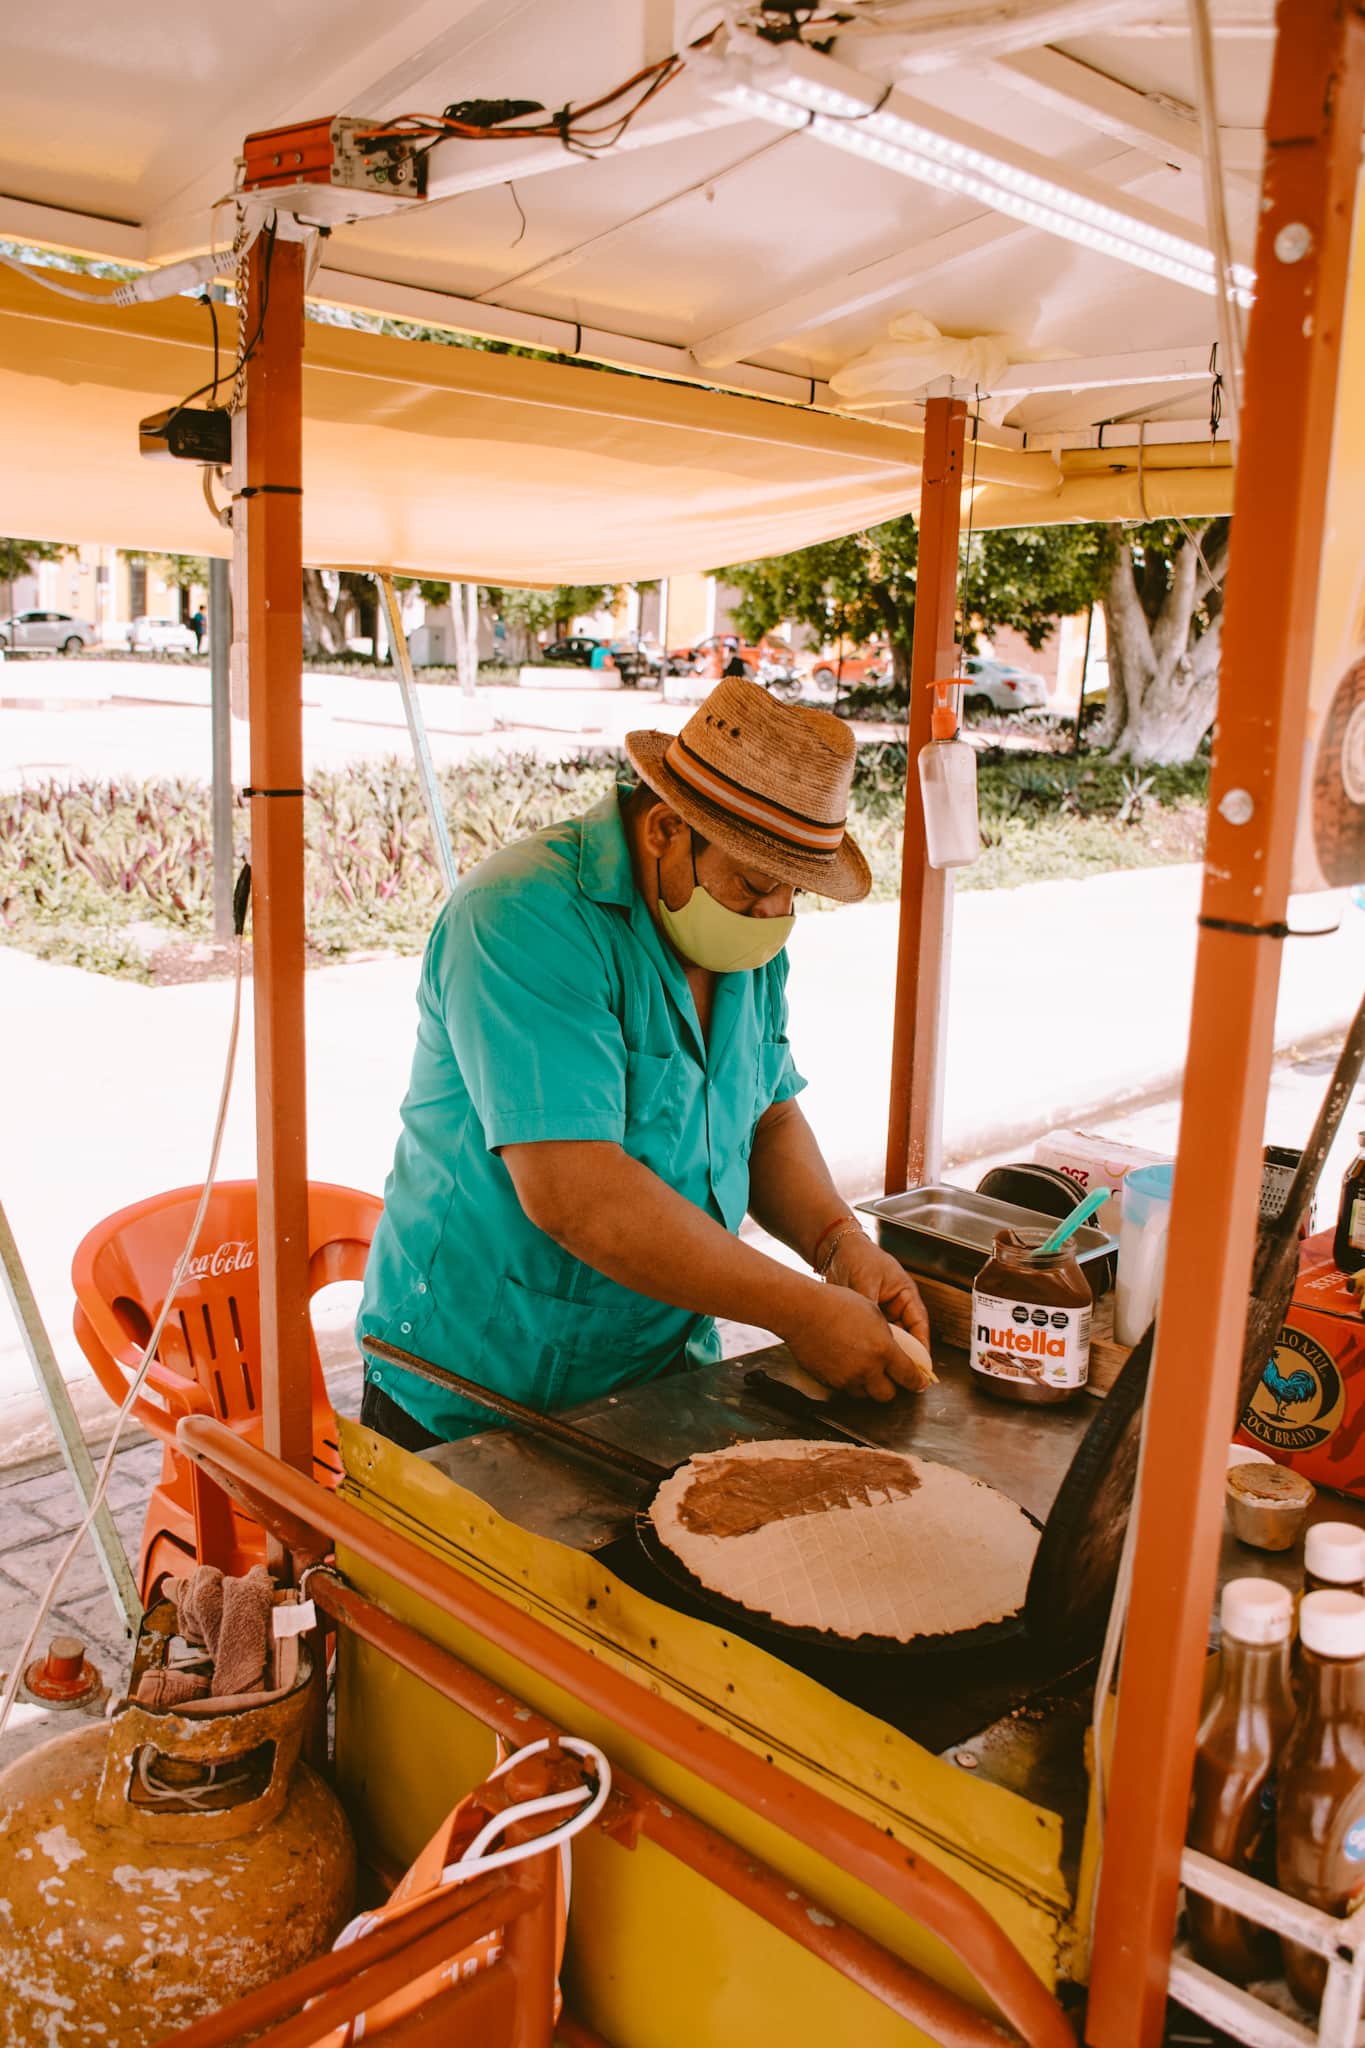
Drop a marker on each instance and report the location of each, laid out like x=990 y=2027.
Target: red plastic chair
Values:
x=208 y=1360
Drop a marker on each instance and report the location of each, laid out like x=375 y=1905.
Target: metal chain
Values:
x=240 y=248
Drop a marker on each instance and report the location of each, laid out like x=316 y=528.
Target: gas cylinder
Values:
x=162 y=1864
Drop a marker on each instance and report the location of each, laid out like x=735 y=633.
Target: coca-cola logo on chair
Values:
x=234 y=1255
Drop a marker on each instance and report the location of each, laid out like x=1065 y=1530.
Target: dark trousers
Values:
x=380 y=1413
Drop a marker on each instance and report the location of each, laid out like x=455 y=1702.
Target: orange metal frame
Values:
x=273 y=513
x=1313 y=132
x=1313 y=150
x=310 y=1518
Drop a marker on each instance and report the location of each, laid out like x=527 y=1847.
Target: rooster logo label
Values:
x=1299 y=1401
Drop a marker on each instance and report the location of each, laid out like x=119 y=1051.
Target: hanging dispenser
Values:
x=947 y=780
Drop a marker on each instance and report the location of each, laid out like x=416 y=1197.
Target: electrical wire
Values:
x=96 y=1501
x=1215 y=209
x=37 y=275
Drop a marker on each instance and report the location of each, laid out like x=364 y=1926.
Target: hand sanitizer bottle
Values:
x=947 y=780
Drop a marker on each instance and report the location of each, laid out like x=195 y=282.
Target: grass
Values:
x=118 y=876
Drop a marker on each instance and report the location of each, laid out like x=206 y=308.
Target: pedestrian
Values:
x=197 y=626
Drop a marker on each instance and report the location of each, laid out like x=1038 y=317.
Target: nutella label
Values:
x=1016 y=1340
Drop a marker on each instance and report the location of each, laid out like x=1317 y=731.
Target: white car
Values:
x=1003 y=686
x=58 y=631
x=160 y=636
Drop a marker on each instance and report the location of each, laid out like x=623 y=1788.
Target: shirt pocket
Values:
x=654 y=1084
x=770 y=1067
x=548 y=1351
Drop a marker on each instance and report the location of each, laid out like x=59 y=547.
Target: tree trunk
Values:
x=323 y=632
x=1163 y=683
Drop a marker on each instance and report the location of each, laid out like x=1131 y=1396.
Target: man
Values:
x=603 y=1087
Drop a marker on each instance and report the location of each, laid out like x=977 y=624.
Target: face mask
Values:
x=720 y=940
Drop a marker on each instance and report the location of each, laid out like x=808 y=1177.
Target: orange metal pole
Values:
x=914 y=1886
x=1313 y=132
x=272 y=511
x=916 y=1047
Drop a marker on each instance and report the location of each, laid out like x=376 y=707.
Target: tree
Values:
x=864 y=583
x=1161 y=586
x=538 y=611
x=1162 y=592
x=329 y=621
x=21 y=557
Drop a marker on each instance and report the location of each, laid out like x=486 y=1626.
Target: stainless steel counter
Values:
x=1023 y=1451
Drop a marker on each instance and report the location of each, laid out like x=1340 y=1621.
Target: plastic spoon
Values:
x=1069 y=1225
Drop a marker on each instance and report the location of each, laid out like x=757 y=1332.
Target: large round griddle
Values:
x=752 y=1619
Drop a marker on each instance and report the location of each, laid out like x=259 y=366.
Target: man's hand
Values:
x=846 y=1341
x=863 y=1266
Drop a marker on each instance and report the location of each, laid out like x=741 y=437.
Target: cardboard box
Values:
x=1309 y=1410
x=1095 y=1162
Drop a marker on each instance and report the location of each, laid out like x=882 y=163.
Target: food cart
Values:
x=801 y=1846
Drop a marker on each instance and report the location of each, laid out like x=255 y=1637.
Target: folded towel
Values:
x=231 y=1618
x=171 y=1688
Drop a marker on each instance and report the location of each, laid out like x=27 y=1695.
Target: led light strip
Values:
x=882 y=137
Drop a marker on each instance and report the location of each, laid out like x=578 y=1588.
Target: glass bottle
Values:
x=1232 y=1805
x=1334 y=1558
x=1348 y=1242
x=1030 y=1321
x=1320 y=1856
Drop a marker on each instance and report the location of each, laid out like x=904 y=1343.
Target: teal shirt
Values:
x=551 y=1008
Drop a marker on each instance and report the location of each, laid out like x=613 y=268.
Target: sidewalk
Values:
x=111 y=1086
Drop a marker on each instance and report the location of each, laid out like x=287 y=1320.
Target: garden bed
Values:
x=118 y=876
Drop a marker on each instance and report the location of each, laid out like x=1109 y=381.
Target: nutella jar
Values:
x=1030 y=1321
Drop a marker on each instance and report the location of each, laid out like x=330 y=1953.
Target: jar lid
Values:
x=1335 y=1551
x=1242 y=1454
x=1258 y=1611
x=1333 y=1624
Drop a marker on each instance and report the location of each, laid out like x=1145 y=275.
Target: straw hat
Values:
x=768 y=782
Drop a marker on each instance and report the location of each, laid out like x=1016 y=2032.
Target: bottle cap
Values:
x=1333 y=1624
x=1258 y=1611
x=1335 y=1551
x=943 y=717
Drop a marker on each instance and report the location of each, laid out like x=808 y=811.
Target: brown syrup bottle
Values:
x=1320 y=1856
x=1232 y=1805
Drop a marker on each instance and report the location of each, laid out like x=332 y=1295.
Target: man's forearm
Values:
x=615 y=1215
x=791 y=1191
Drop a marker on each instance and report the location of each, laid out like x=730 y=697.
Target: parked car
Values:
x=574 y=651
x=58 y=631
x=640 y=659
x=772 y=653
x=160 y=636
x=856 y=665
x=1002 y=685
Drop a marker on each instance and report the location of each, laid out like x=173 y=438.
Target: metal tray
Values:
x=948 y=1233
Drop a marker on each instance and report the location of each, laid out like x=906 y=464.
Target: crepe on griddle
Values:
x=851 y=1541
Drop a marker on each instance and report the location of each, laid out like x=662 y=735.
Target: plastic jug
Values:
x=1143 y=1229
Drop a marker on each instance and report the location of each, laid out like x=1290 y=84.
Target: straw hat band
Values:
x=817 y=836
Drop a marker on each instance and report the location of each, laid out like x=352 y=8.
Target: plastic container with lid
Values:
x=947 y=780
x=1030 y=1321
x=1267 y=1504
x=1232 y=1804
x=1320 y=1854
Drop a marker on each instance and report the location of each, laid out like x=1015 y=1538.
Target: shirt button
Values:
x=407 y=1329
x=421 y=1286
x=377 y=1378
